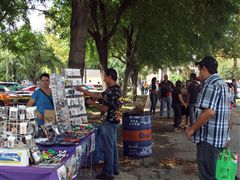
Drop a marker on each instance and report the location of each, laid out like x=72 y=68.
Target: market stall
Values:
x=76 y=157
x=66 y=138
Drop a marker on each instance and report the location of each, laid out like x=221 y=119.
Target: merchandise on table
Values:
x=19 y=126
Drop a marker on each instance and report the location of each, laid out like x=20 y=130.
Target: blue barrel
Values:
x=137 y=136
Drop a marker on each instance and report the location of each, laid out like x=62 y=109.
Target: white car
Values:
x=93 y=87
x=238 y=91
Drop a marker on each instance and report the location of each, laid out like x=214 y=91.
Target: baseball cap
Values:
x=210 y=63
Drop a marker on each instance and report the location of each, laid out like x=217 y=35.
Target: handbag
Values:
x=226 y=166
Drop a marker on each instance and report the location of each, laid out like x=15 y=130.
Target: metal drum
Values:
x=137 y=136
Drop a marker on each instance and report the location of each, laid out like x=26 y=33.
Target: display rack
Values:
x=69 y=103
x=75 y=99
x=18 y=124
x=60 y=102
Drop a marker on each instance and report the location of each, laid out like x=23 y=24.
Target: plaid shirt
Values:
x=215 y=96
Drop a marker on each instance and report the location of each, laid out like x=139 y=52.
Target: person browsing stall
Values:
x=42 y=98
x=210 y=129
x=111 y=104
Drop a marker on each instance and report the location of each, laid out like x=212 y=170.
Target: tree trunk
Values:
x=102 y=49
x=130 y=52
x=127 y=75
x=134 y=78
x=33 y=74
x=235 y=68
x=78 y=35
x=14 y=68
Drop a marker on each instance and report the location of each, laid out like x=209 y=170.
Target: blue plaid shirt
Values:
x=215 y=96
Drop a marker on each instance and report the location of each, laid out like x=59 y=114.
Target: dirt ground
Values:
x=173 y=156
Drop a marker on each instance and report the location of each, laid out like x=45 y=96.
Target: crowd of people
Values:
x=180 y=98
x=207 y=100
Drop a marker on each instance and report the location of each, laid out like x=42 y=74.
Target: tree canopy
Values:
x=155 y=33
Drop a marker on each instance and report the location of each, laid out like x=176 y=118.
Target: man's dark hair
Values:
x=193 y=76
x=44 y=75
x=210 y=63
x=111 y=72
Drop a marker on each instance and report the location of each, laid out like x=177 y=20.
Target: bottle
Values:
x=35 y=155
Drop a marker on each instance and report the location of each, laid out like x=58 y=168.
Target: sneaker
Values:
x=103 y=176
x=169 y=117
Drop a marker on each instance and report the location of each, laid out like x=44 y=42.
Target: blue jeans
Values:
x=206 y=159
x=153 y=99
x=165 y=100
x=108 y=135
x=191 y=113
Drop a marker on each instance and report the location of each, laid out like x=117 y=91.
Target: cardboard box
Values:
x=49 y=117
x=14 y=157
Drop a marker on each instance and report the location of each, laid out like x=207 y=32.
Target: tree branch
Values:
x=7 y=10
x=120 y=11
x=93 y=13
x=124 y=57
x=103 y=13
x=119 y=58
x=41 y=10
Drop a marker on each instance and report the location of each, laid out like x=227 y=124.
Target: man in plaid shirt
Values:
x=210 y=130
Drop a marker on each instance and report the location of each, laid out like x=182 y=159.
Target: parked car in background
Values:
x=13 y=86
x=93 y=87
x=30 y=88
x=7 y=97
x=17 y=96
x=24 y=97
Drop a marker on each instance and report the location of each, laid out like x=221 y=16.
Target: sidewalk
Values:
x=173 y=156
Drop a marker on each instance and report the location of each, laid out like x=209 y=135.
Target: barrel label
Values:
x=140 y=135
x=137 y=150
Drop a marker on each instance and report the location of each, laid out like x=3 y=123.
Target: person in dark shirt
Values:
x=166 y=87
x=111 y=104
x=177 y=103
x=193 y=90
